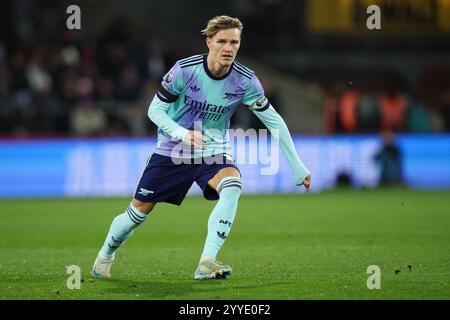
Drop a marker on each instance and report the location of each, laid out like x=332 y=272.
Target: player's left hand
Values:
x=307 y=183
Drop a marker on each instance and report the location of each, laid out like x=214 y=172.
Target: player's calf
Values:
x=219 y=227
x=121 y=229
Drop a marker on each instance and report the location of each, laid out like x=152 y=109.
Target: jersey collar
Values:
x=205 y=66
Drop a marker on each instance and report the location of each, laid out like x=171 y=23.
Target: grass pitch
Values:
x=315 y=246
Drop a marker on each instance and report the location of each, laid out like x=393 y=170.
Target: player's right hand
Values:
x=196 y=139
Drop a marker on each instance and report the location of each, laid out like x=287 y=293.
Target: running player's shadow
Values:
x=176 y=288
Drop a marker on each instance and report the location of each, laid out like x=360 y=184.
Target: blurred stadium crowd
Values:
x=59 y=82
x=388 y=108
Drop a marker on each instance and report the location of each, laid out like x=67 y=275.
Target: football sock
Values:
x=121 y=229
x=222 y=216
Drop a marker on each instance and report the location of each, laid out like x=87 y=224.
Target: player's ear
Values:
x=208 y=42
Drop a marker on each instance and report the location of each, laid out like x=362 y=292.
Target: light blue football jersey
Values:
x=201 y=101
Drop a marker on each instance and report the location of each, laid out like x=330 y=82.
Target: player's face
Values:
x=224 y=46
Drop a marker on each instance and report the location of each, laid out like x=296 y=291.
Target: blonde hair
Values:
x=221 y=23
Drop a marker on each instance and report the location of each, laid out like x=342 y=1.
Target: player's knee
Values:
x=228 y=172
x=143 y=207
x=229 y=186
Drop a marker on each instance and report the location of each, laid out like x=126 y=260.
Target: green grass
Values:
x=315 y=246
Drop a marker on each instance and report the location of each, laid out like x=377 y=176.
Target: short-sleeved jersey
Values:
x=201 y=101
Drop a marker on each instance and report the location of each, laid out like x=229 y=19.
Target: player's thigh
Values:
x=221 y=174
x=163 y=181
x=144 y=207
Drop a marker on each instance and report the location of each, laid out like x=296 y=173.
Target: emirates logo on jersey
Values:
x=205 y=110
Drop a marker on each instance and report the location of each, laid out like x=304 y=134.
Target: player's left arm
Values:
x=278 y=128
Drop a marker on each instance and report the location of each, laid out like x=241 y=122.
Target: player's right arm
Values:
x=171 y=87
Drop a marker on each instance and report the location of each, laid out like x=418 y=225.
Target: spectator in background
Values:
x=18 y=71
x=341 y=110
x=128 y=86
x=348 y=107
x=4 y=74
x=332 y=123
x=343 y=180
x=445 y=110
x=368 y=114
x=417 y=117
x=393 y=107
x=87 y=120
x=389 y=158
x=156 y=66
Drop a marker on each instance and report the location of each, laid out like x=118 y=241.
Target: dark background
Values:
x=325 y=73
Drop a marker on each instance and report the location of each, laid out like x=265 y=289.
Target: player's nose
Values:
x=228 y=48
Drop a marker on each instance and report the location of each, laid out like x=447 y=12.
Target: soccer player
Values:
x=192 y=110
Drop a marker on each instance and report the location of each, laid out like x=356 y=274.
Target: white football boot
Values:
x=102 y=267
x=212 y=269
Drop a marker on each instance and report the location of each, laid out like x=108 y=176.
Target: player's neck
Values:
x=216 y=69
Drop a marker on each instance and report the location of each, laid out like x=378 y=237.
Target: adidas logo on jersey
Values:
x=194 y=88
